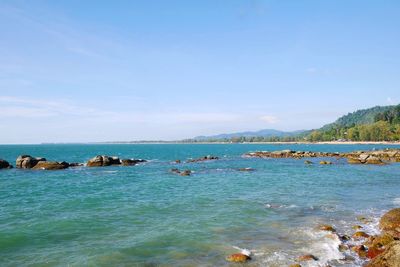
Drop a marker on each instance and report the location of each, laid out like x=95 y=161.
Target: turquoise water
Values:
x=144 y=215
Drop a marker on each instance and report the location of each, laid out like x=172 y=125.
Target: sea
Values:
x=146 y=215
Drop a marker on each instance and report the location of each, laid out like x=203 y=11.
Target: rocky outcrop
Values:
x=205 y=158
x=101 y=161
x=4 y=164
x=390 y=223
x=131 y=162
x=377 y=157
x=50 y=165
x=388 y=258
x=27 y=162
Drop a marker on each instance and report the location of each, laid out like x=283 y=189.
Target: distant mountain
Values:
x=359 y=117
x=261 y=133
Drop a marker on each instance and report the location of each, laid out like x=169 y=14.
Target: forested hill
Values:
x=362 y=116
x=374 y=124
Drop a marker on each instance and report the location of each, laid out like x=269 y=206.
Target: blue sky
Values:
x=78 y=71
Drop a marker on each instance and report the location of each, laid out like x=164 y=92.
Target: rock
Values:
x=76 y=164
x=327 y=227
x=50 y=165
x=374 y=160
x=389 y=258
x=100 y=161
x=344 y=238
x=374 y=252
x=354 y=161
x=175 y=170
x=295 y=265
x=177 y=161
x=27 y=162
x=246 y=169
x=361 y=250
x=342 y=248
x=4 y=164
x=380 y=241
x=185 y=173
x=390 y=222
x=206 y=158
x=131 y=162
x=364 y=220
x=238 y=257
x=359 y=235
x=325 y=162
x=307 y=257
x=308 y=162
x=356 y=227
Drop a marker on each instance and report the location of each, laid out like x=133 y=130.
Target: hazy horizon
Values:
x=73 y=71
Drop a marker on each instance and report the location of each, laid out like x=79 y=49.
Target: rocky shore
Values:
x=381 y=157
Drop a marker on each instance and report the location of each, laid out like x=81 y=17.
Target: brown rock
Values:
x=361 y=250
x=50 y=165
x=238 y=257
x=390 y=222
x=307 y=257
x=27 y=162
x=374 y=160
x=327 y=227
x=360 y=235
x=389 y=258
x=100 y=161
x=325 y=162
x=352 y=160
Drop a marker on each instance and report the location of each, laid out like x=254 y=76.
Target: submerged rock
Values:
x=238 y=257
x=131 y=162
x=27 y=162
x=4 y=164
x=327 y=227
x=205 y=158
x=50 y=165
x=389 y=258
x=308 y=162
x=246 y=169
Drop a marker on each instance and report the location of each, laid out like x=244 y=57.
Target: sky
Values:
x=89 y=71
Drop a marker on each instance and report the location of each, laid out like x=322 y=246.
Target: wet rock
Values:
x=344 y=238
x=50 y=165
x=185 y=173
x=307 y=257
x=374 y=160
x=178 y=161
x=100 y=161
x=238 y=257
x=359 y=235
x=364 y=219
x=4 y=164
x=27 y=162
x=389 y=258
x=356 y=227
x=76 y=164
x=361 y=250
x=308 y=162
x=206 y=158
x=390 y=222
x=342 y=248
x=323 y=162
x=295 y=265
x=327 y=227
x=131 y=162
x=174 y=170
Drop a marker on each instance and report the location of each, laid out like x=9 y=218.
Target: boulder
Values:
x=27 y=162
x=389 y=258
x=238 y=257
x=359 y=235
x=131 y=162
x=100 y=161
x=390 y=222
x=4 y=164
x=374 y=160
x=326 y=227
x=50 y=165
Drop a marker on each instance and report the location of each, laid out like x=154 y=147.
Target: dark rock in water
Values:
x=175 y=170
x=27 y=162
x=4 y=164
x=307 y=257
x=390 y=222
x=246 y=169
x=389 y=258
x=238 y=257
x=308 y=162
x=344 y=238
x=76 y=164
x=360 y=235
x=178 y=161
x=206 y=158
x=342 y=248
x=131 y=162
x=186 y=173
x=50 y=165
x=100 y=161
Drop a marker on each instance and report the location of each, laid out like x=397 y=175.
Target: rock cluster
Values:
x=27 y=162
x=103 y=160
x=357 y=157
x=4 y=164
x=205 y=158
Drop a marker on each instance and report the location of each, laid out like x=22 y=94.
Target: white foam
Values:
x=244 y=251
x=396 y=201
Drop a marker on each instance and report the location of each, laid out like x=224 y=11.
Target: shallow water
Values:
x=145 y=215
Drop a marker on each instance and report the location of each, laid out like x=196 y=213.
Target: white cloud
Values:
x=269 y=119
